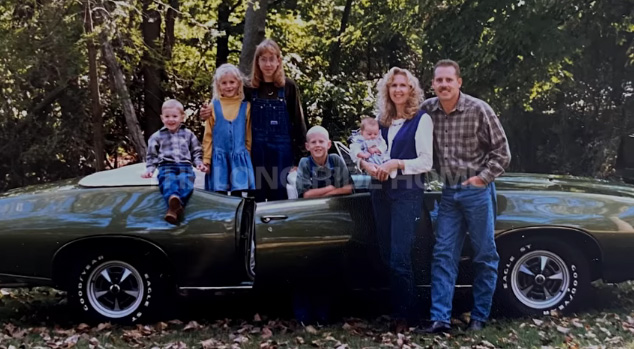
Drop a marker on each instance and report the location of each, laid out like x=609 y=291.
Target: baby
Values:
x=368 y=144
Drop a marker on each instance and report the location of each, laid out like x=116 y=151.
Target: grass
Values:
x=40 y=318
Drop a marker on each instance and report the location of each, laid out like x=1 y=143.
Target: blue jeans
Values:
x=397 y=213
x=462 y=209
x=176 y=179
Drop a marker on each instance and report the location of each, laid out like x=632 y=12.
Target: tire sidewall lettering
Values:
x=83 y=284
x=506 y=277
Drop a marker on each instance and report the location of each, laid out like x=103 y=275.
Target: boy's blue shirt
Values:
x=334 y=167
x=181 y=146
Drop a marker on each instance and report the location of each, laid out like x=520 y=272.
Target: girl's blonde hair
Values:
x=385 y=108
x=267 y=46
x=228 y=69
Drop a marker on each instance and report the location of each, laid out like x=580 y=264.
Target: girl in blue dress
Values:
x=227 y=139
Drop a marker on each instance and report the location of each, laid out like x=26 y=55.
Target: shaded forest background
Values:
x=82 y=81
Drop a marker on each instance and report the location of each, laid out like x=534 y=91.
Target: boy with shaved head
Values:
x=322 y=174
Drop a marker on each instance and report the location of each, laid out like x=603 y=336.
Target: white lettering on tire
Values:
x=571 y=290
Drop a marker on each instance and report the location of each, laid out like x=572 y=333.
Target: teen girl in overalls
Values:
x=227 y=139
x=278 y=125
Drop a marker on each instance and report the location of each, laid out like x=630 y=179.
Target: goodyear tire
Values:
x=116 y=289
x=539 y=276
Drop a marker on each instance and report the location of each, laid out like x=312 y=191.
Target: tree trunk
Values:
x=336 y=47
x=136 y=136
x=222 y=44
x=254 y=30
x=96 y=110
x=151 y=68
x=169 y=38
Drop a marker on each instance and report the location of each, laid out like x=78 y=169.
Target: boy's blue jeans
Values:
x=462 y=209
x=176 y=179
x=397 y=215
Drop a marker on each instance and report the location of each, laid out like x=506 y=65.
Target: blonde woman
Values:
x=398 y=184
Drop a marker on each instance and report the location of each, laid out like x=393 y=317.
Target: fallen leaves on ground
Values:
x=601 y=329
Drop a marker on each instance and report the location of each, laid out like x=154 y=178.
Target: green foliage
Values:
x=559 y=74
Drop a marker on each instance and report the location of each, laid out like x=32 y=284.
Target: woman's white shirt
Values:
x=424 y=146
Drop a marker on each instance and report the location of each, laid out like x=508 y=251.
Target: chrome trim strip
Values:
x=27 y=278
x=456 y=286
x=417 y=286
x=217 y=288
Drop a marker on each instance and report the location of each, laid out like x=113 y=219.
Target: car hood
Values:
x=57 y=186
x=565 y=183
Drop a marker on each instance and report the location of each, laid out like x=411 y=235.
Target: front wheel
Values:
x=115 y=288
x=541 y=275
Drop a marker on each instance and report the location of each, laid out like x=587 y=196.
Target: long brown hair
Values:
x=267 y=46
x=385 y=108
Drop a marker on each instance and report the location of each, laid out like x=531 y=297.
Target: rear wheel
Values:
x=115 y=288
x=540 y=275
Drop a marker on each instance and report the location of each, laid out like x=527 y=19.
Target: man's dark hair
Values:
x=448 y=63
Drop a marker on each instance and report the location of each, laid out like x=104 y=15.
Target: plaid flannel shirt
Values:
x=181 y=146
x=468 y=141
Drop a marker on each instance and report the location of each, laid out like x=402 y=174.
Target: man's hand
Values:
x=293 y=169
x=363 y=155
x=205 y=112
x=147 y=174
x=202 y=167
x=475 y=181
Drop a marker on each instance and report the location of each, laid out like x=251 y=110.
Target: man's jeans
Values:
x=397 y=214
x=462 y=209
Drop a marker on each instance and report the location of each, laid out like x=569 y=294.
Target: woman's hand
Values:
x=205 y=112
x=381 y=173
x=391 y=165
x=369 y=167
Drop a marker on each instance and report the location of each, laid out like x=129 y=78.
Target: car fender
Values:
x=62 y=256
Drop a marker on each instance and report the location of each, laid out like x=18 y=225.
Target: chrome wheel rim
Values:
x=115 y=289
x=540 y=279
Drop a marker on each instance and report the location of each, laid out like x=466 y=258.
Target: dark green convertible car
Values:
x=104 y=241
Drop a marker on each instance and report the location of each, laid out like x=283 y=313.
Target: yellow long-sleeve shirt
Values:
x=230 y=108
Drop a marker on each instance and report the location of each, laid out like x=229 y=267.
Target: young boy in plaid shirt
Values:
x=174 y=149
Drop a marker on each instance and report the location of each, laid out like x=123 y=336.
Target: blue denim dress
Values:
x=231 y=167
x=271 y=150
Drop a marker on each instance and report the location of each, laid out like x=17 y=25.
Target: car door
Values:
x=315 y=239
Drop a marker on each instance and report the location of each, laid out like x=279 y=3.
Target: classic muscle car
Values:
x=104 y=241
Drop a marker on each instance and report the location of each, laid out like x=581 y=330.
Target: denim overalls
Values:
x=231 y=168
x=271 y=150
x=322 y=182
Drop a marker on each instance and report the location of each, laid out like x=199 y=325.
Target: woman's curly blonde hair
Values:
x=267 y=46
x=385 y=108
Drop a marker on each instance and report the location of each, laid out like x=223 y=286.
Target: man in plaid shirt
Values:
x=471 y=150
